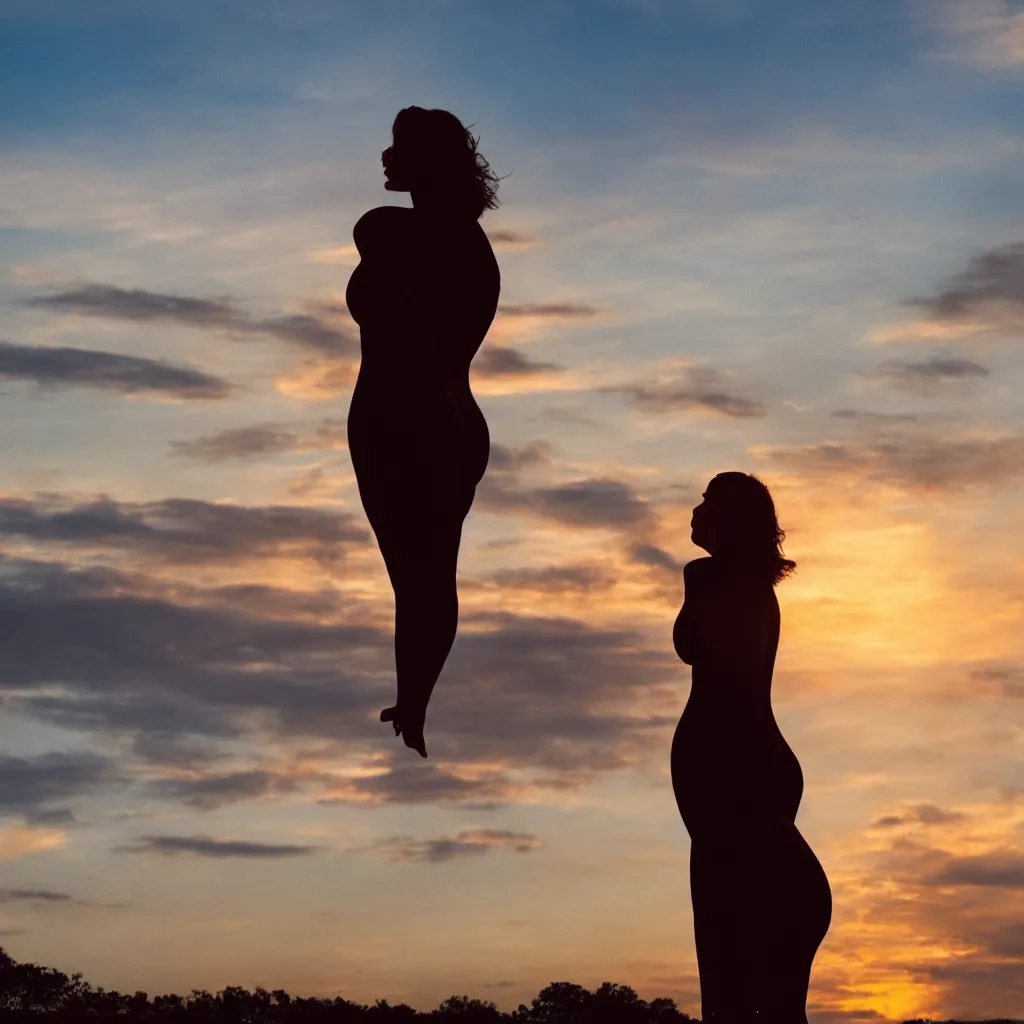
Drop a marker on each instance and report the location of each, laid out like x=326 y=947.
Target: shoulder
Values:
x=698 y=570
x=736 y=590
x=383 y=224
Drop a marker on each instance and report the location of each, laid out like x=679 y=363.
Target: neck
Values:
x=437 y=204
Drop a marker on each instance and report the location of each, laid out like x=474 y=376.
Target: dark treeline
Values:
x=29 y=992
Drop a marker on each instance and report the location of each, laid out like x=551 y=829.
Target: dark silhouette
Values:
x=28 y=992
x=424 y=295
x=761 y=901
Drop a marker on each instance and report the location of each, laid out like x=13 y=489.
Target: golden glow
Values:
x=18 y=840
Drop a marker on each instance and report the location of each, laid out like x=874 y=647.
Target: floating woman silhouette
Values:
x=761 y=901
x=424 y=295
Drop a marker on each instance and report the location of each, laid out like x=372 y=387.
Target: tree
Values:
x=561 y=1002
x=463 y=1010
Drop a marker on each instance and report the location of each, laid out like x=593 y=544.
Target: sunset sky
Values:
x=782 y=237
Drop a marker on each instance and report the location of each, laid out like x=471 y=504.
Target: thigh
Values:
x=791 y=916
x=416 y=505
x=720 y=929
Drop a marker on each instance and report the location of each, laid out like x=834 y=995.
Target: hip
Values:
x=386 y=432
x=721 y=775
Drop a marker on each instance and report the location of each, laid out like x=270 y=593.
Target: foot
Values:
x=410 y=729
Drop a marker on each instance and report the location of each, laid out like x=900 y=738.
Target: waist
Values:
x=419 y=403
x=716 y=692
x=716 y=716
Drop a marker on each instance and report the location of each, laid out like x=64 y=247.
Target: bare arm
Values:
x=686 y=632
x=401 y=281
x=723 y=628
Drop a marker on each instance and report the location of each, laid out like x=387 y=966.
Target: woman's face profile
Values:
x=396 y=174
x=705 y=524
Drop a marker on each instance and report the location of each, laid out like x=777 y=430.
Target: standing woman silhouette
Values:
x=424 y=295
x=761 y=901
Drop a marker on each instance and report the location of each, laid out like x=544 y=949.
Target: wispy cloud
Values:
x=697 y=389
x=922 y=814
x=32 y=785
x=869 y=418
x=992 y=283
x=468 y=843
x=502 y=361
x=182 y=530
x=929 y=376
x=549 y=310
x=34 y=896
x=318 y=380
x=139 y=306
x=567 y=699
x=1001 y=869
x=504 y=239
x=207 y=793
x=984 y=300
x=990 y=32
x=204 y=846
x=262 y=439
x=917 y=462
x=20 y=840
x=554 y=579
x=131 y=375
x=402 y=783
x=601 y=502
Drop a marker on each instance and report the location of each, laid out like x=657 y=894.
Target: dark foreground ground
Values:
x=28 y=992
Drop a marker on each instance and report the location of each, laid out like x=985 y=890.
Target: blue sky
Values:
x=780 y=237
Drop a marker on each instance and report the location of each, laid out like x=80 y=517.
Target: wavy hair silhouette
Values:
x=761 y=901
x=435 y=153
x=424 y=295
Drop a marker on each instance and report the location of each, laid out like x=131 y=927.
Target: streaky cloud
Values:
x=874 y=419
x=426 y=784
x=182 y=530
x=511 y=459
x=261 y=439
x=237 y=443
x=990 y=288
x=138 y=305
x=599 y=502
x=922 y=814
x=928 y=375
x=502 y=361
x=34 y=896
x=549 y=310
x=130 y=375
x=698 y=388
x=554 y=579
x=652 y=555
x=102 y=652
x=204 y=846
x=511 y=239
x=212 y=791
x=1001 y=869
x=31 y=785
x=924 y=463
x=468 y=843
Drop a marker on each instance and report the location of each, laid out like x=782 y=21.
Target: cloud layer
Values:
x=130 y=375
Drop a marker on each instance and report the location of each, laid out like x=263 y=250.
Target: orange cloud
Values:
x=318 y=381
x=19 y=840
